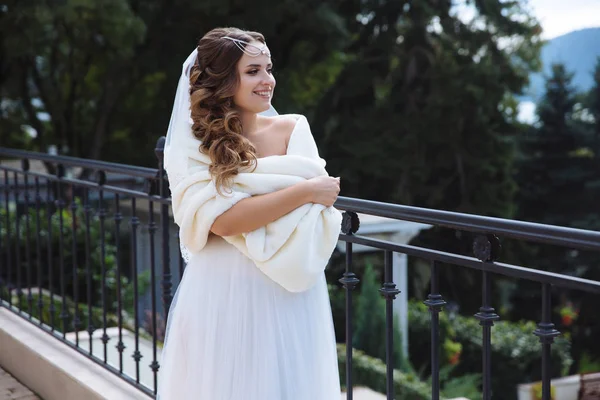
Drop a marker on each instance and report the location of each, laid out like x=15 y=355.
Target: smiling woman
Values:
x=251 y=317
x=216 y=79
x=256 y=79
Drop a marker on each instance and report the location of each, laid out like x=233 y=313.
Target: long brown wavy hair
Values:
x=213 y=82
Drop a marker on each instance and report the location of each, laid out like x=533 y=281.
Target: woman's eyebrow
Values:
x=258 y=65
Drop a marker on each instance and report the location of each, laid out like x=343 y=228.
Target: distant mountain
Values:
x=577 y=50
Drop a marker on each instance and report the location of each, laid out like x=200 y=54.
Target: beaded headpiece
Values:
x=248 y=48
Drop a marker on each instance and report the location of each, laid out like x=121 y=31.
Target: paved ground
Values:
x=11 y=389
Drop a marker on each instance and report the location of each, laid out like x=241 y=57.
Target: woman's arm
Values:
x=257 y=211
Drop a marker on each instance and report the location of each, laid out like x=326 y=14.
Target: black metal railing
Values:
x=111 y=222
x=486 y=248
x=87 y=222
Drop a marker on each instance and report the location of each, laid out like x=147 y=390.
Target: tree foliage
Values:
x=411 y=102
x=422 y=113
x=593 y=105
x=65 y=71
x=557 y=160
x=559 y=181
x=97 y=79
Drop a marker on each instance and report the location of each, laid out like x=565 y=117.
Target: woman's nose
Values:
x=268 y=80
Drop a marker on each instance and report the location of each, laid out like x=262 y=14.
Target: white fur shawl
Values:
x=293 y=250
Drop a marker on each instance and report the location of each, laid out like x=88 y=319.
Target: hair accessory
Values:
x=249 y=48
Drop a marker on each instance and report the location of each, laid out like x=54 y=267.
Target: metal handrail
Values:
x=551 y=234
x=558 y=235
x=105 y=166
x=486 y=245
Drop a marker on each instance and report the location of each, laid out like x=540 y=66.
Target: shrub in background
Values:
x=516 y=351
x=72 y=262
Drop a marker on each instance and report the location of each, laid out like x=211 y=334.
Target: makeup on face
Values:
x=257 y=83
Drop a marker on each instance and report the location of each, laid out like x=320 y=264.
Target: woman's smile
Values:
x=265 y=94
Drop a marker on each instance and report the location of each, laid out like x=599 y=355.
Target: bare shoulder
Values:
x=283 y=125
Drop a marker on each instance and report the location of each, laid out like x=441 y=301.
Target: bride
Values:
x=251 y=318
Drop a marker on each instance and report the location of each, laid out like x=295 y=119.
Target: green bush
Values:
x=369 y=368
x=516 y=351
x=370 y=322
x=588 y=365
x=50 y=228
x=53 y=318
x=371 y=372
x=368 y=340
x=467 y=386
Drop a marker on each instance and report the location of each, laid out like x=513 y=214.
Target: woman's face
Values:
x=257 y=83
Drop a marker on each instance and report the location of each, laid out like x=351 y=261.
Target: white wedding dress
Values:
x=234 y=334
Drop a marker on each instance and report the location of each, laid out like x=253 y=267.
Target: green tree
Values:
x=593 y=105
x=559 y=182
x=97 y=79
x=421 y=114
x=66 y=70
x=585 y=344
x=369 y=334
x=556 y=164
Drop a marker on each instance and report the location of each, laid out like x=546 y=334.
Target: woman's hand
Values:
x=324 y=190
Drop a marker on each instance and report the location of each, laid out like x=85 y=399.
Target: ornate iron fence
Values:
x=61 y=218
x=65 y=232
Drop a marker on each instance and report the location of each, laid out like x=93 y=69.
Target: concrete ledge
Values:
x=54 y=370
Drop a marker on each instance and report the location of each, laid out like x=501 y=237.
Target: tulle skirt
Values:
x=233 y=334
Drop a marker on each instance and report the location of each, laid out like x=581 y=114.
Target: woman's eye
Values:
x=253 y=72
x=270 y=70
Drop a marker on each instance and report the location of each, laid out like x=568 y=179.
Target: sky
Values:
x=561 y=16
x=558 y=17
